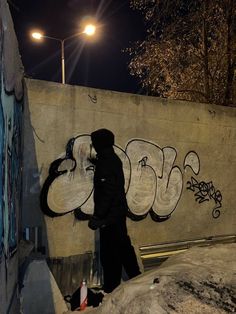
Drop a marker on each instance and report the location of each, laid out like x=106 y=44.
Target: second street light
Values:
x=89 y=30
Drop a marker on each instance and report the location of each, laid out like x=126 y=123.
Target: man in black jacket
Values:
x=110 y=209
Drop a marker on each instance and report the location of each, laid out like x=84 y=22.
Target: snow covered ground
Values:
x=200 y=280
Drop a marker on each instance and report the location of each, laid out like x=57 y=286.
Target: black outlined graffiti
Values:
x=152 y=183
x=143 y=166
x=11 y=171
x=155 y=183
x=192 y=161
x=155 y=217
x=69 y=184
x=93 y=98
x=204 y=192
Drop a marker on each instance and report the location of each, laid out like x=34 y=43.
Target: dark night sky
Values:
x=100 y=64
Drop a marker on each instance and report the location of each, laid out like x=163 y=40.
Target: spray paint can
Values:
x=83 y=295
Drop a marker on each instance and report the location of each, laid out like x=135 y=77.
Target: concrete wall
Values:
x=10 y=185
x=11 y=110
x=179 y=160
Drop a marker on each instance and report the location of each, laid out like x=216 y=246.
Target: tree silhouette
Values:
x=190 y=49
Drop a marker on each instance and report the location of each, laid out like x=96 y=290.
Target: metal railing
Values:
x=154 y=255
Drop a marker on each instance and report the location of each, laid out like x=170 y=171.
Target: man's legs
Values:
x=110 y=257
x=129 y=259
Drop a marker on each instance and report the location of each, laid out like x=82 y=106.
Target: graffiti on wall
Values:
x=153 y=183
x=10 y=169
x=204 y=192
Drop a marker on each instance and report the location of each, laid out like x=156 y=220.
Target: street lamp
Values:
x=89 y=30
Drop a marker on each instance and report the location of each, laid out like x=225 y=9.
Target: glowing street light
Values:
x=89 y=30
x=36 y=35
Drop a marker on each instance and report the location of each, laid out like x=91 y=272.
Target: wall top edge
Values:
x=33 y=83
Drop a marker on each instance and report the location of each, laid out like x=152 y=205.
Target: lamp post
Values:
x=89 y=30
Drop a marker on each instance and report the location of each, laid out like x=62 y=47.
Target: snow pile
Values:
x=200 y=280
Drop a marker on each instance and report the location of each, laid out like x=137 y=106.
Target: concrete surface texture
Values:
x=11 y=65
x=178 y=157
x=40 y=293
x=200 y=280
x=11 y=90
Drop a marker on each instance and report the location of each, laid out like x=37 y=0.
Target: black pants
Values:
x=116 y=251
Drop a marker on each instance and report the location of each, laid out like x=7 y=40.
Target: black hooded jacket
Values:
x=110 y=203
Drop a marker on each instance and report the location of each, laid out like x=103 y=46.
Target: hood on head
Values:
x=102 y=139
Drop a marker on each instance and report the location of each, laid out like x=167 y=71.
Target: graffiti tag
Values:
x=205 y=191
